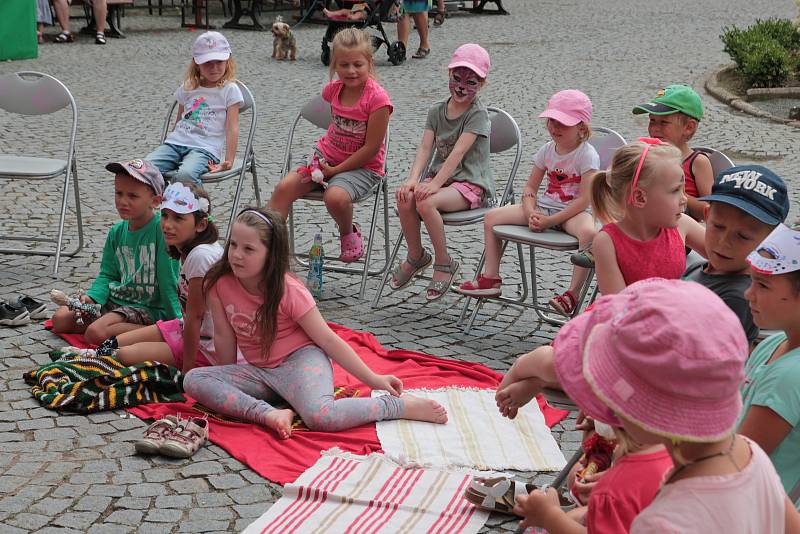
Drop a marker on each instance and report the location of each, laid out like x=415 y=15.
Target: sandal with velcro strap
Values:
x=437 y=288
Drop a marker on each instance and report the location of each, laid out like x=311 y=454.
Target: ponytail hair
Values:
x=612 y=187
x=353 y=39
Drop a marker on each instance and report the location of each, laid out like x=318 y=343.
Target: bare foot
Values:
x=281 y=422
x=517 y=394
x=419 y=409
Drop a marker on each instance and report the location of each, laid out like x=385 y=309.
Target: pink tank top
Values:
x=664 y=256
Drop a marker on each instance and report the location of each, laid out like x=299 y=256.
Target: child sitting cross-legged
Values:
x=675 y=112
x=771 y=415
x=459 y=177
x=137 y=282
x=191 y=237
x=566 y=161
x=745 y=205
x=261 y=308
x=672 y=379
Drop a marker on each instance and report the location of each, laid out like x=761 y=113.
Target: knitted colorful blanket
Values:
x=85 y=384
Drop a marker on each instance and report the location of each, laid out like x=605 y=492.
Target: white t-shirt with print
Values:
x=196 y=265
x=563 y=172
x=202 y=124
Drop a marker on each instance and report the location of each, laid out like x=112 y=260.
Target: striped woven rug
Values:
x=348 y=494
x=476 y=436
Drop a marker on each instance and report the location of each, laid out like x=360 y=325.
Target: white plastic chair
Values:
x=606 y=142
x=505 y=134
x=34 y=93
x=240 y=164
x=318 y=112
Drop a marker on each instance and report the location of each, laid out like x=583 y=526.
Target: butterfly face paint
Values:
x=464 y=84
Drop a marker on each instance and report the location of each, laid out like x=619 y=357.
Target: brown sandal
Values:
x=438 y=18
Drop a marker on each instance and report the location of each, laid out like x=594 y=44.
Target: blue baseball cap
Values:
x=753 y=189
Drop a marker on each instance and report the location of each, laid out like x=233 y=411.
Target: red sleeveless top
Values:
x=664 y=256
x=690 y=186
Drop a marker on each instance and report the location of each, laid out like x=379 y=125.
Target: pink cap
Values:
x=568 y=346
x=671 y=359
x=569 y=108
x=472 y=56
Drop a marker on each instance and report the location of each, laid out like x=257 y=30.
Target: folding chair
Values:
x=240 y=166
x=606 y=142
x=318 y=112
x=719 y=161
x=505 y=134
x=34 y=93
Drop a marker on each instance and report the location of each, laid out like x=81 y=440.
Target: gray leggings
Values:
x=304 y=380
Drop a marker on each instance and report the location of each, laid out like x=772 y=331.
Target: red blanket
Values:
x=282 y=461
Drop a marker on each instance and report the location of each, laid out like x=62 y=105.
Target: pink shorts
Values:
x=472 y=193
x=172 y=332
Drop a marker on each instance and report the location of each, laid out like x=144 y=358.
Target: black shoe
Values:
x=100 y=38
x=37 y=310
x=13 y=316
x=583 y=259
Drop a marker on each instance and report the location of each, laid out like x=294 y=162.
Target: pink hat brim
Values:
x=480 y=72
x=560 y=116
x=655 y=410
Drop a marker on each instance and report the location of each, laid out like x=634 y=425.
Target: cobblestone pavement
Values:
x=75 y=473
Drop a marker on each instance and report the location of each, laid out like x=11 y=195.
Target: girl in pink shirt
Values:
x=261 y=308
x=352 y=150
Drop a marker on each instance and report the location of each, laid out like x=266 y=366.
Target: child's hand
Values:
x=425 y=190
x=405 y=192
x=327 y=170
x=584 y=485
x=539 y=222
x=86 y=299
x=536 y=506
x=390 y=383
x=582 y=422
x=221 y=166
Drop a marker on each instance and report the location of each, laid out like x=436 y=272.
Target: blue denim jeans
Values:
x=190 y=162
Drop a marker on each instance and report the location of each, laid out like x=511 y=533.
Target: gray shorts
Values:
x=358 y=183
x=129 y=313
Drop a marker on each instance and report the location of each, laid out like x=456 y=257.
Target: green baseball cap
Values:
x=673 y=99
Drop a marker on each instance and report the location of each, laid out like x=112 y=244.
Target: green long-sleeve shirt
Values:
x=136 y=271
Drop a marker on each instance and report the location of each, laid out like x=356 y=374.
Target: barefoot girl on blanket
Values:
x=261 y=307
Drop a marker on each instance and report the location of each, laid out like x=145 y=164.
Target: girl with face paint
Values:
x=564 y=205
x=458 y=178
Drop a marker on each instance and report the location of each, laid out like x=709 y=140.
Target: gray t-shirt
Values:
x=730 y=288
x=474 y=167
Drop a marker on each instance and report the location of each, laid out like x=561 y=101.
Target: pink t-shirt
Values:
x=348 y=130
x=749 y=502
x=625 y=490
x=241 y=307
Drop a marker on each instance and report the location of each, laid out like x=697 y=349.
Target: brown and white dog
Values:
x=283 y=45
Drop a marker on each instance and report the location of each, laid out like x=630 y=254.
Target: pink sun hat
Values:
x=472 y=56
x=568 y=107
x=568 y=346
x=671 y=360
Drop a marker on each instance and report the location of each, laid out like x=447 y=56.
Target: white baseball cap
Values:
x=211 y=46
x=180 y=199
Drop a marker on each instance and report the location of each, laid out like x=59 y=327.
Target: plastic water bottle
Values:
x=316 y=257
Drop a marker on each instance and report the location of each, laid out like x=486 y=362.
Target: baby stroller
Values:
x=376 y=12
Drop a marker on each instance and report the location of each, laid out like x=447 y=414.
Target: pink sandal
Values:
x=352 y=246
x=564 y=303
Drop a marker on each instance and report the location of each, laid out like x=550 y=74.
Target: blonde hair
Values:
x=611 y=188
x=193 y=79
x=356 y=40
x=625 y=442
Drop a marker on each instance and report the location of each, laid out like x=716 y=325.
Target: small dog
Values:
x=284 y=45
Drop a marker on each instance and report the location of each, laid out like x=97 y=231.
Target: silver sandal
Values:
x=442 y=286
x=401 y=279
